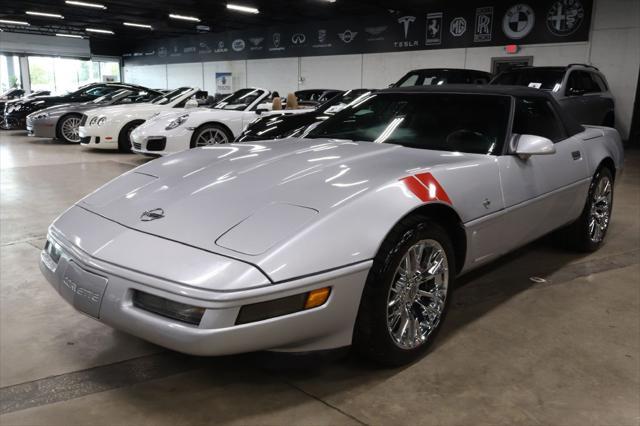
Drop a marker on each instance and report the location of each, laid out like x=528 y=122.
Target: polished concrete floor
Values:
x=565 y=351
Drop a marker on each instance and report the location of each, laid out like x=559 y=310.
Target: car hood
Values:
x=196 y=196
x=48 y=99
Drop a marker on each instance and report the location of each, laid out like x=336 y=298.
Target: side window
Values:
x=600 y=82
x=412 y=80
x=98 y=91
x=581 y=82
x=535 y=116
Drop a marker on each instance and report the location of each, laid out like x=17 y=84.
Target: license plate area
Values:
x=83 y=289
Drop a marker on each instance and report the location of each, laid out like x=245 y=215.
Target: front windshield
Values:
x=472 y=123
x=114 y=96
x=171 y=96
x=339 y=102
x=538 y=78
x=239 y=100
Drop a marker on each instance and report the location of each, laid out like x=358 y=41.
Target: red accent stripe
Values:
x=426 y=188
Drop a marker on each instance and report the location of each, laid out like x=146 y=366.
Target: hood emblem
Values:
x=150 y=215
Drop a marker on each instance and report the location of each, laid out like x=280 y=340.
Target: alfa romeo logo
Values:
x=565 y=17
x=518 y=21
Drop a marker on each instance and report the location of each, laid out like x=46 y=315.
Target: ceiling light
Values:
x=184 y=18
x=97 y=30
x=48 y=15
x=133 y=24
x=242 y=8
x=85 y=4
x=68 y=35
x=9 y=21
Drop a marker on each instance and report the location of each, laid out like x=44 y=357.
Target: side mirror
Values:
x=191 y=103
x=528 y=145
x=259 y=111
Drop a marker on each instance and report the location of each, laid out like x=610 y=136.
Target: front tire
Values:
x=124 y=138
x=210 y=134
x=68 y=128
x=587 y=233
x=406 y=296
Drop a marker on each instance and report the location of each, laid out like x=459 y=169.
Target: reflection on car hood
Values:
x=204 y=192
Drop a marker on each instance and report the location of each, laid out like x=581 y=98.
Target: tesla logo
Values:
x=298 y=38
x=406 y=21
x=150 y=215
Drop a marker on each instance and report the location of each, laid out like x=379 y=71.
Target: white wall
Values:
x=614 y=47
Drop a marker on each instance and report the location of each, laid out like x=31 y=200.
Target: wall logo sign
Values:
x=298 y=38
x=162 y=51
x=238 y=45
x=322 y=39
x=189 y=49
x=347 y=36
x=484 y=24
x=564 y=17
x=518 y=21
x=276 y=40
x=406 y=21
x=375 y=33
x=203 y=47
x=256 y=41
x=458 y=26
x=221 y=48
x=434 y=29
x=150 y=53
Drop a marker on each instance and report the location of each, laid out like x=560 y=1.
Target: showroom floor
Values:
x=513 y=351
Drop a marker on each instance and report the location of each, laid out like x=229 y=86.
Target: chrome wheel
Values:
x=600 y=209
x=416 y=298
x=211 y=136
x=70 y=129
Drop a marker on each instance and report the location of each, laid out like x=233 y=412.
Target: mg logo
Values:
x=458 y=26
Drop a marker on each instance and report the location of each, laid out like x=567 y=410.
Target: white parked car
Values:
x=219 y=124
x=111 y=127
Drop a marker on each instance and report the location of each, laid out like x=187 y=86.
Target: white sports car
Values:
x=220 y=124
x=111 y=127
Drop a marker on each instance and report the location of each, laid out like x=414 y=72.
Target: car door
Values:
x=541 y=192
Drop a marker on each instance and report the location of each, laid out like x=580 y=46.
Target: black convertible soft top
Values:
x=571 y=126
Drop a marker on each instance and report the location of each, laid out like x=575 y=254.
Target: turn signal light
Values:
x=317 y=297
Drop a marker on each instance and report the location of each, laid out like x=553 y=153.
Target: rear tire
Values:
x=407 y=292
x=67 y=128
x=587 y=233
x=210 y=134
x=124 y=138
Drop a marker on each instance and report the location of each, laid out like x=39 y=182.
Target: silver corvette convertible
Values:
x=353 y=234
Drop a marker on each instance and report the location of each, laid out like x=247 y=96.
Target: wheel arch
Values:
x=609 y=164
x=61 y=118
x=449 y=219
x=210 y=123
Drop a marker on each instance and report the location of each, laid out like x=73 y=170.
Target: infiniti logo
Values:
x=298 y=38
x=150 y=215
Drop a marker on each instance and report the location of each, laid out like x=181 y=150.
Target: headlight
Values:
x=101 y=121
x=17 y=107
x=177 y=122
x=41 y=116
x=10 y=108
x=93 y=121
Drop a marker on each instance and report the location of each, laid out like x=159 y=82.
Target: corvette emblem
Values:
x=150 y=215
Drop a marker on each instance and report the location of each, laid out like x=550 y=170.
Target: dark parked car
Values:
x=580 y=89
x=288 y=125
x=14 y=95
x=439 y=76
x=15 y=113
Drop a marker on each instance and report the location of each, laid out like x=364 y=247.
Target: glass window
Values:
x=410 y=80
x=538 y=78
x=171 y=96
x=439 y=121
x=599 y=81
x=10 y=77
x=535 y=116
x=581 y=82
x=60 y=75
x=240 y=100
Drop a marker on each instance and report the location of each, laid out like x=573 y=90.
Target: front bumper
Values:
x=91 y=139
x=105 y=292
x=170 y=142
x=13 y=122
x=41 y=128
